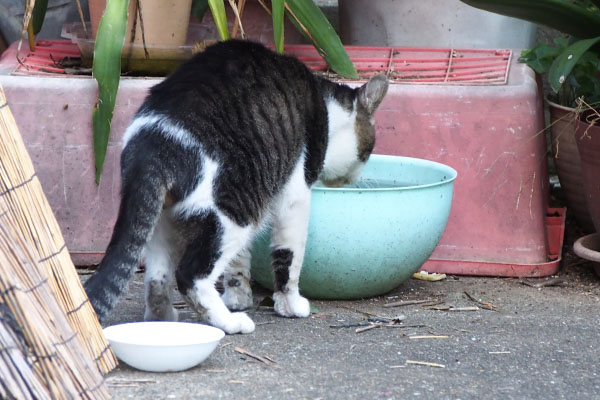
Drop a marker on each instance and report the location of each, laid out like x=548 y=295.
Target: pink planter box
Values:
x=488 y=134
x=498 y=224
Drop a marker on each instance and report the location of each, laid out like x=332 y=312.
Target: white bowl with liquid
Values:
x=161 y=346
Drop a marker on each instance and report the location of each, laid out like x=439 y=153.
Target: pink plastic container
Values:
x=481 y=118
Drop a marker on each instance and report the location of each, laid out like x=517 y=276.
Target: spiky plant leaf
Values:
x=315 y=25
x=107 y=71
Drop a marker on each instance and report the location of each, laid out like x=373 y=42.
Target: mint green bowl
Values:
x=366 y=239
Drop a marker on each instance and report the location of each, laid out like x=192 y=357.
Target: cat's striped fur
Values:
x=229 y=142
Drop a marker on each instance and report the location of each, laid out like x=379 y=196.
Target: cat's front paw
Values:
x=237 y=322
x=291 y=304
x=237 y=298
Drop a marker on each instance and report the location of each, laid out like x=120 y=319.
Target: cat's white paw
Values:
x=237 y=298
x=291 y=304
x=234 y=323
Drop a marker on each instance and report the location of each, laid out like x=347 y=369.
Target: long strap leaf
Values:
x=39 y=12
x=217 y=8
x=107 y=71
x=278 y=10
x=558 y=14
x=316 y=26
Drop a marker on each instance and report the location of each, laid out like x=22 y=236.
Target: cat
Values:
x=230 y=142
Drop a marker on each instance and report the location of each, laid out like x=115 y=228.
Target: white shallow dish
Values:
x=163 y=346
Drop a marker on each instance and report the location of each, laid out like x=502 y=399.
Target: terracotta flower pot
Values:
x=159 y=50
x=588 y=248
x=165 y=22
x=568 y=162
x=588 y=142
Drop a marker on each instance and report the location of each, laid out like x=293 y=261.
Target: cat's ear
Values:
x=371 y=93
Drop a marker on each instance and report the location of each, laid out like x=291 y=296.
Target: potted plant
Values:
x=588 y=143
x=572 y=67
x=565 y=108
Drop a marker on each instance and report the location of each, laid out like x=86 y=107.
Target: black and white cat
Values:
x=230 y=142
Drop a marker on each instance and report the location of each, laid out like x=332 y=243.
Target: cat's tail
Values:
x=141 y=206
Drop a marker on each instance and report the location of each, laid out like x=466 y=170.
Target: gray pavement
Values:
x=539 y=344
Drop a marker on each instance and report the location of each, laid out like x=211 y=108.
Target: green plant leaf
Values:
x=565 y=62
x=107 y=71
x=217 y=8
x=39 y=12
x=316 y=26
x=596 y=3
x=278 y=10
x=540 y=58
x=561 y=41
x=199 y=8
x=564 y=16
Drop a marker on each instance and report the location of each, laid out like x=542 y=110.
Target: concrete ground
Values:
x=537 y=343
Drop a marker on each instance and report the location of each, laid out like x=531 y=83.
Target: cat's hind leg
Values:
x=288 y=241
x=159 y=274
x=237 y=294
x=217 y=241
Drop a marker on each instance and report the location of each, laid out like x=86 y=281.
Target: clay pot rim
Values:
x=553 y=104
x=580 y=117
x=588 y=247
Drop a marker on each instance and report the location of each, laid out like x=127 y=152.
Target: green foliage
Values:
x=572 y=64
x=540 y=58
x=278 y=10
x=217 y=8
x=199 y=8
x=571 y=57
x=580 y=75
x=107 y=71
x=39 y=12
x=323 y=36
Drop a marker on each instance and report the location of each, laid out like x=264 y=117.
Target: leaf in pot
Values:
x=278 y=10
x=590 y=89
x=566 y=61
x=199 y=8
x=540 y=58
x=39 y=12
x=311 y=21
x=570 y=18
x=217 y=8
x=107 y=70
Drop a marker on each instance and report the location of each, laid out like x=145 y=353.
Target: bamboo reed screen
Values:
x=22 y=198
x=41 y=356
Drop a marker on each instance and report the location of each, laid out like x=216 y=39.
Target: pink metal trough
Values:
x=478 y=111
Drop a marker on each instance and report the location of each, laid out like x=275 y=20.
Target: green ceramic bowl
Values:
x=366 y=239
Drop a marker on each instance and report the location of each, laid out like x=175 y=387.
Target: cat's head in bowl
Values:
x=351 y=130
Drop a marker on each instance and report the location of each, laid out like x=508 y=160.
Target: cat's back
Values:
x=256 y=113
x=238 y=97
x=228 y=70
x=239 y=88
